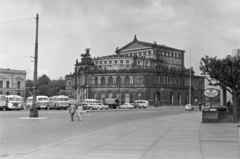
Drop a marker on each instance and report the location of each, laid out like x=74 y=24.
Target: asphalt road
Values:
x=18 y=135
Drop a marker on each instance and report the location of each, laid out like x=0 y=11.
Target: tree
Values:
x=225 y=73
x=43 y=80
x=29 y=86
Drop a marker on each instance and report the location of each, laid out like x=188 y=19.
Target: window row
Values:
x=8 y=84
x=112 y=62
x=171 y=80
x=171 y=54
x=110 y=81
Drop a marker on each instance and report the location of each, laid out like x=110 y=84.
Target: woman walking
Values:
x=79 y=112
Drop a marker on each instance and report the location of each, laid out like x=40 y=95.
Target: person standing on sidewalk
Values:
x=79 y=112
x=72 y=110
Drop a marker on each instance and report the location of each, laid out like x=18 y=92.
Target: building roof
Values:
x=147 y=44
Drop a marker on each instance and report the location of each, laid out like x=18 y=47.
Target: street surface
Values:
x=21 y=135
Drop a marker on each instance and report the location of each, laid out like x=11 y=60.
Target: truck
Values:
x=113 y=103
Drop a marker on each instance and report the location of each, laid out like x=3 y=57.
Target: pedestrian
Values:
x=79 y=112
x=72 y=110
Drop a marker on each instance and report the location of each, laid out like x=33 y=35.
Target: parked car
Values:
x=145 y=103
x=126 y=106
x=97 y=107
x=86 y=106
x=137 y=106
x=104 y=106
x=189 y=107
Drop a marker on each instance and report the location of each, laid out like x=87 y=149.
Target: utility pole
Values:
x=190 y=81
x=34 y=111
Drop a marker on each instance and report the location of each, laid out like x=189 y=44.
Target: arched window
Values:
x=102 y=96
x=95 y=95
x=102 y=81
x=8 y=84
x=110 y=95
x=18 y=84
x=127 y=98
x=127 y=81
x=1 y=84
x=118 y=80
x=96 y=81
x=110 y=81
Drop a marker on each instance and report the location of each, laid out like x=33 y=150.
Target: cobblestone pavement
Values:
x=21 y=135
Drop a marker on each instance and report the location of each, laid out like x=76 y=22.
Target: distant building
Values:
x=138 y=70
x=236 y=52
x=12 y=82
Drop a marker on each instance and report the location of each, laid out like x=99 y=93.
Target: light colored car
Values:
x=97 y=106
x=144 y=103
x=189 y=107
x=126 y=106
x=86 y=106
x=137 y=106
x=103 y=105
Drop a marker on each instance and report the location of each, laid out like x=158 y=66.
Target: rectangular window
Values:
x=100 y=62
x=149 y=52
x=96 y=62
x=115 y=61
x=138 y=62
x=140 y=54
x=110 y=62
x=144 y=53
x=146 y=63
x=105 y=62
x=121 y=61
x=127 y=61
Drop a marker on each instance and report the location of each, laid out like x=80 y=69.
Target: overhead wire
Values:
x=15 y=20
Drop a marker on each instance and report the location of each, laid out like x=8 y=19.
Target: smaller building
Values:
x=236 y=52
x=12 y=82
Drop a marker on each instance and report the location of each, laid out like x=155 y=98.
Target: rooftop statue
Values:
x=87 y=54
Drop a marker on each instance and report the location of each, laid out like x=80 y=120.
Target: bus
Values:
x=59 y=102
x=14 y=102
x=41 y=102
x=2 y=101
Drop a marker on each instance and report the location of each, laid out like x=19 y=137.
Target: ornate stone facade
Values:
x=138 y=70
x=12 y=82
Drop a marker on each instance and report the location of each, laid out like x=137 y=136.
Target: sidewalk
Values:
x=171 y=137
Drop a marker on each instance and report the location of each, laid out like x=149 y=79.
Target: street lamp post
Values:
x=34 y=111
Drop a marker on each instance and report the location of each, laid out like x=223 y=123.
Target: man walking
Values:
x=72 y=110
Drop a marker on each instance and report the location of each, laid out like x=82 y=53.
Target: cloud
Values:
x=67 y=27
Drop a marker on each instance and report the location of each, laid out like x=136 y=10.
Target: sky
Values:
x=68 y=27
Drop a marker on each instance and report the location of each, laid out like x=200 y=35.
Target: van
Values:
x=90 y=101
x=144 y=103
